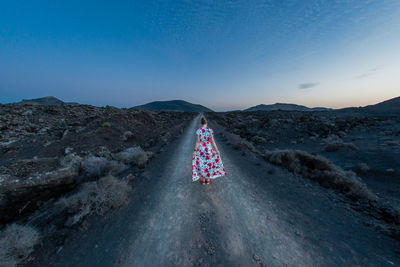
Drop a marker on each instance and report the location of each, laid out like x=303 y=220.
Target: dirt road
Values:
x=256 y=215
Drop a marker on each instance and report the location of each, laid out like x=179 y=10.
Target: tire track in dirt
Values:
x=167 y=230
x=217 y=224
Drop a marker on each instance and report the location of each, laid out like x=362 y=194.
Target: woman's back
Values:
x=206 y=162
x=205 y=134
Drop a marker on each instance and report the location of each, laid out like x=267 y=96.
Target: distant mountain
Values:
x=388 y=106
x=391 y=105
x=173 y=105
x=46 y=101
x=284 y=106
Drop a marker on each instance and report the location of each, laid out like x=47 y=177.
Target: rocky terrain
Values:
x=79 y=185
x=75 y=151
x=263 y=213
x=356 y=154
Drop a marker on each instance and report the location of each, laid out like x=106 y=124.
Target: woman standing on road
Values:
x=206 y=162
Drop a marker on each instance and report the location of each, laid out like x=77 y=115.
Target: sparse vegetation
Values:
x=244 y=145
x=16 y=244
x=363 y=167
x=71 y=160
x=322 y=170
x=300 y=135
x=340 y=146
x=96 y=197
x=51 y=151
x=134 y=156
x=106 y=124
x=115 y=167
x=94 y=166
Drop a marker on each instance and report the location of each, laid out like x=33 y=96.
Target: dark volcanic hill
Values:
x=46 y=101
x=173 y=105
x=284 y=106
x=386 y=107
x=391 y=105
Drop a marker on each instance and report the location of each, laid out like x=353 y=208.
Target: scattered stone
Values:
x=130 y=177
x=258 y=140
x=256 y=257
x=27 y=113
x=65 y=133
x=104 y=152
x=68 y=150
x=127 y=135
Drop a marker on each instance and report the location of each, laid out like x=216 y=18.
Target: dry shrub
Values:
x=332 y=139
x=244 y=145
x=93 y=166
x=335 y=143
x=134 y=156
x=16 y=244
x=116 y=167
x=106 y=124
x=363 y=167
x=71 y=160
x=340 y=146
x=322 y=170
x=95 y=198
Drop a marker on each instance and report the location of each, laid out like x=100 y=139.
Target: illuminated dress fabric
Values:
x=206 y=163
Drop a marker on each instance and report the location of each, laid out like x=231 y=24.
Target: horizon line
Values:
x=119 y=106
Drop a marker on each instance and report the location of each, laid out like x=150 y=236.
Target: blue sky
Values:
x=221 y=54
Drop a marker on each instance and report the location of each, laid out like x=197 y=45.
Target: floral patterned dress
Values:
x=206 y=163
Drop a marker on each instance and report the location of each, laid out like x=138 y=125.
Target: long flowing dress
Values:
x=206 y=163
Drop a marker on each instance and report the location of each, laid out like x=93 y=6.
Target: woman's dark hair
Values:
x=203 y=120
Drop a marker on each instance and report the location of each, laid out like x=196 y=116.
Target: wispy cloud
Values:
x=307 y=85
x=369 y=72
